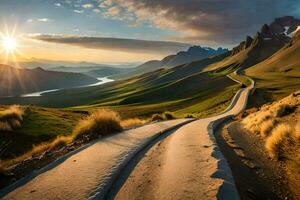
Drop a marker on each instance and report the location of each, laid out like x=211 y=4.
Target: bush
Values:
x=99 y=123
x=157 y=117
x=281 y=136
x=11 y=118
x=189 y=116
x=168 y=116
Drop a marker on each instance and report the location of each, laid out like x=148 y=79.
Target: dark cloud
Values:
x=208 y=21
x=116 y=44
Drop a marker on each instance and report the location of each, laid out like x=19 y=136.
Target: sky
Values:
x=119 y=31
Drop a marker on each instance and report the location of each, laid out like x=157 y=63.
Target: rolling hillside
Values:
x=182 y=89
x=16 y=81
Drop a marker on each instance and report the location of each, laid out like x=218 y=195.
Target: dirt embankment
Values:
x=256 y=176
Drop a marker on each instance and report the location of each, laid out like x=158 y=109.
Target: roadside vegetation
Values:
x=11 y=118
x=278 y=125
x=163 y=116
x=87 y=127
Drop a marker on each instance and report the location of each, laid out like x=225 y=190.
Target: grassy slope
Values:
x=173 y=89
x=40 y=125
x=280 y=74
x=246 y=58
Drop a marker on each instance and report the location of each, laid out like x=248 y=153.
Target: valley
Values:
x=196 y=123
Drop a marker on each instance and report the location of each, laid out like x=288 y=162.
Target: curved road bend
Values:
x=193 y=165
x=88 y=173
x=185 y=165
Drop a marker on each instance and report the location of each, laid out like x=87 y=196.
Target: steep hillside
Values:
x=280 y=74
x=15 y=81
x=265 y=43
x=192 y=54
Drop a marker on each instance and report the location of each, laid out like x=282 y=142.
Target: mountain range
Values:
x=192 y=54
x=270 y=57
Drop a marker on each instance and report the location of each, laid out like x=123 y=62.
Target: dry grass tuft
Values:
x=11 y=118
x=297 y=131
x=163 y=116
x=133 y=122
x=99 y=123
x=267 y=126
x=281 y=136
x=168 y=116
x=157 y=117
x=261 y=122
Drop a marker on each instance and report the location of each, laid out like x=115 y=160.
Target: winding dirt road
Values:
x=89 y=172
x=185 y=165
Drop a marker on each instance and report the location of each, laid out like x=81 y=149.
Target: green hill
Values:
x=179 y=89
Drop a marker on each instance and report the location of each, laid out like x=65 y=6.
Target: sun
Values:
x=9 y=43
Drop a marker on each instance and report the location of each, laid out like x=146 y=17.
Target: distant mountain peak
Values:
x=279 y=32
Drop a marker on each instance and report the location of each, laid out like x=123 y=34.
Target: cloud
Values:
x=113 y=11
x=134 y=25
x=96 y=10
x=218 y=21
x=44 y=20
x=88 y=5
x=58 y=4
x=115 y=44
x=105 y=3
x=78 y=11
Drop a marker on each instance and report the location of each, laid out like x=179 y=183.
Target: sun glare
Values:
x=9 y=44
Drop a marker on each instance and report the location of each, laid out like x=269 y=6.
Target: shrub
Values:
x=157 y=117
x=11 y=118
x=281 y=136
x=5 y=126
x=99 y=123
x=168 y=116
x=189 y=116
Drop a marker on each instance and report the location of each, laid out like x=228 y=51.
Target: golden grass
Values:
x=157 y=117
x=132 y=122
x=164 y=116
x=281 y=136
x=11 y=118
x=263 y=121
x=273 y=123
x=36 y=150
x=267 y=126
x=297 y=131
x=99 y=123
